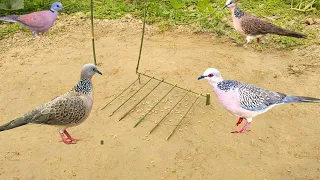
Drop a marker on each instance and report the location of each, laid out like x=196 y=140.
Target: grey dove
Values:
x=247 y=101
x=252 y=27
x=67 y=110
x=37 y=22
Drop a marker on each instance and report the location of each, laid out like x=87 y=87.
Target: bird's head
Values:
x=212 y=75
x=230 y=4
x=57 y=6
x=89 y=70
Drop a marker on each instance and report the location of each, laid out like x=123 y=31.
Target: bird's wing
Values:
x=35 y=20
x=255 y=99
x=63 y=110
x=252 y=25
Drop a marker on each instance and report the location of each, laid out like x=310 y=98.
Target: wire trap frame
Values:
x=159 y=82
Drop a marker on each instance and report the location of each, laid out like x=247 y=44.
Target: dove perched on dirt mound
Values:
x=247 y=101
x=67 y=110
x=37 y=22
x=252 y=27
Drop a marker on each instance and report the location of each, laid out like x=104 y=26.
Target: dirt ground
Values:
x=282 y=144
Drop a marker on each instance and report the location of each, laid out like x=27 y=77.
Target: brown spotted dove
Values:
x=67 y=110
x=252 y=27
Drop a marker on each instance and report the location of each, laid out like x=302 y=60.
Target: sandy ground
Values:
x=282 y=144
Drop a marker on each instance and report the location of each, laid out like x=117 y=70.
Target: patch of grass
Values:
x=162 y=14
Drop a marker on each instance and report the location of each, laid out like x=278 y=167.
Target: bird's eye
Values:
x=210 y=75
x=57 y=5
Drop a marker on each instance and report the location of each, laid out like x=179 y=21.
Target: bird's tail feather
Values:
x=283 y=32
x=23 y=120
x=12 y=18
x=300 y=99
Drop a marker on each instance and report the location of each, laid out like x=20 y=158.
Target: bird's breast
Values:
x=89 y=100
x=237 y=23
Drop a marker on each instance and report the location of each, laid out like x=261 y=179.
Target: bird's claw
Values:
x=68 y=141
x=238 y=132
x=73 y=139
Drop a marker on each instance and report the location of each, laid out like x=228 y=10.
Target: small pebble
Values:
x=199 y=121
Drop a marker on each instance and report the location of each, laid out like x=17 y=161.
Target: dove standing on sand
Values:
x=37 y=22
x=247 y=101
x=252 y=27
x=67 y=110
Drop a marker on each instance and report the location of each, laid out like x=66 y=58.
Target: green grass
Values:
x=162 y=14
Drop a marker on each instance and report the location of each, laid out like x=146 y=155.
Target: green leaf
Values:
x=12 y=5
x=177 y=4
x=16 y=4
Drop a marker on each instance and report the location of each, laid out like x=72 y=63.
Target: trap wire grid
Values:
x=160 y=81
x=169 y=111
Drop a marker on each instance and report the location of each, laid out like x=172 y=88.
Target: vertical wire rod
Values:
x=92 y=33
x=154 y=106
x=119 y=94
x=168 y=112
x=140 y=101
x=142 y=35
x=182 y=118
x=131 y=96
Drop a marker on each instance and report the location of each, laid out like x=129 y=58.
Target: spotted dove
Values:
x=253 y=28
x=67 y=110
x=247 y=101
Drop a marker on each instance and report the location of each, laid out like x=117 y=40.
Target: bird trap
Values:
x=183 y=97
x=142 y=101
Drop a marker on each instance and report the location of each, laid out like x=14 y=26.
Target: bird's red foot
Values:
x=69 y=136
x=258 y=40
x=243 y=129
x=68 y=139
x=239 y=121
